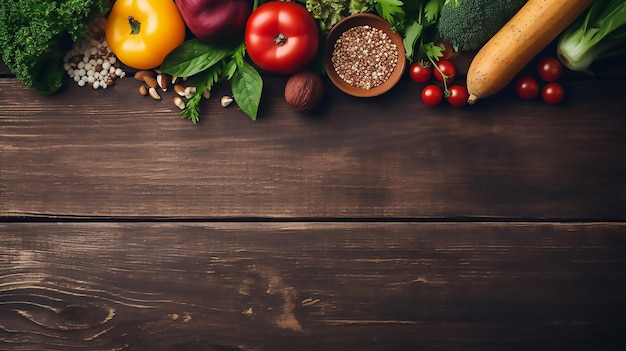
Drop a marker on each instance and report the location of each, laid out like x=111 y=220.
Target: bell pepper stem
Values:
x=135 y=26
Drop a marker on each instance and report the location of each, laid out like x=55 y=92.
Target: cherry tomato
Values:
x=447 y=52
x=281 y=37
x=142 y=32
x=420 y=72
x=458 y=96
x=552 y=93
x=526 y=87
x=432 y=95
x=447 y=68
x=549 y=69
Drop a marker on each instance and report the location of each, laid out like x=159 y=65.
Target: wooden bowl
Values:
x=355 y=21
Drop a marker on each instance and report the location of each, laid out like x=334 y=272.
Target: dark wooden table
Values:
x=373 y=224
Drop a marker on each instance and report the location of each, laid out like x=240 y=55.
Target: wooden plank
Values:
x=312 y=286
x=114 y=153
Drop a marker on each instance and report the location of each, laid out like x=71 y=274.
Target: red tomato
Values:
x=549 y=69
x=419 y=72
x=526 y=87
x=281 y=37
x=448 y=51
x=432 y=95
x=458 y=96
x=552 y=93
x=447 y=68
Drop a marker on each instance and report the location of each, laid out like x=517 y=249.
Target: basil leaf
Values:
x=247 y=86
x=193 y=57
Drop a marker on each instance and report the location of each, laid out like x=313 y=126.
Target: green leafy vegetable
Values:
x=411 y=34
x=432 y=10
x=599 y=34
x=360 y=6
x=329 y=12
x=35 y=34
x=418 y=28
x=205 y=82
x=193 y=57
x=247 y=86
x=391 y=10
x=207 y=64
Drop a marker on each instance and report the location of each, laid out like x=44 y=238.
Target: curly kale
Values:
x=35 y=34
x=468 y=24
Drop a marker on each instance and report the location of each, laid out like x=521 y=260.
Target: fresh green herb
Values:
x=432 y=8
x=194 y=57
x=204 y=82
x=247 y=86
x=329 y=12
x=392 y=11
x=35 y=34
x=599 y=34
x=237 y=60
x=416 y=22
x=411 y=34
x=207 y=64
x=360 y=6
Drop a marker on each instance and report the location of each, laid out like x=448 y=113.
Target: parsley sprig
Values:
x=415 y=21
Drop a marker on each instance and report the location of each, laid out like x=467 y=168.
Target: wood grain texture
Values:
x=312 y=286
x=384 y=224
x=114 y=153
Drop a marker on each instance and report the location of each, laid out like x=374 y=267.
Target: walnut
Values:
x=304 y=91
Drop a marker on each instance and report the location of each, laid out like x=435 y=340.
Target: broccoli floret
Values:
x=469 y=24
x=34 y=35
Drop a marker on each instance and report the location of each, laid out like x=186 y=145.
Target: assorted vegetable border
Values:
x=232 y=38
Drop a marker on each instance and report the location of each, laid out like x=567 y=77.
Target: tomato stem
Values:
x=280 y=39
x=135 y=26
x=444 y=77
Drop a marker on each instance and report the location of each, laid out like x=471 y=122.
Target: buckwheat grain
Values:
x=364 y=56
